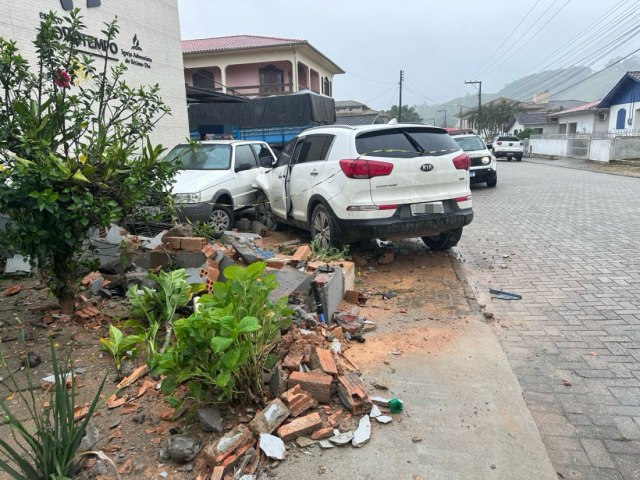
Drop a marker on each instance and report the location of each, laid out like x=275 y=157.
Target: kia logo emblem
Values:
x=427 y=167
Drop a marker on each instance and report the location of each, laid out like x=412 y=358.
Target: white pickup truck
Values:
x=507 y=146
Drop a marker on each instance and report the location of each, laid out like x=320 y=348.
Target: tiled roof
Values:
x=581 y=108
x=235 y=42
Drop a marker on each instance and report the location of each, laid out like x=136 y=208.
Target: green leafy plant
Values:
x=204 y=230
x=45 y=446
x=120 y=345
x=223 y=347
x=328 y=254
x=75 y=149
x=158 y=306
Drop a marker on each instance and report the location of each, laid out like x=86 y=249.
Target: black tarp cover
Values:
x=281 y=110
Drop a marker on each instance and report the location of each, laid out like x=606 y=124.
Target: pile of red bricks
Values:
x=314 y=395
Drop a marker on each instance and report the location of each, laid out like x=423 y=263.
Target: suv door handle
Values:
x=313 y=173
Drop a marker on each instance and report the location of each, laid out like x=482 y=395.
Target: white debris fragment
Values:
x=272 y=446
x=362 y=435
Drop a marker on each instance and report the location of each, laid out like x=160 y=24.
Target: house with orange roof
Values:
x=252 y=65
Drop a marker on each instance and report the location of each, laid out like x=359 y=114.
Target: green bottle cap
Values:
x=395 y=405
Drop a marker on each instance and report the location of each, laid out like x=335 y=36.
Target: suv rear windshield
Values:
x=405 y=143
x=202 y=157
x=470 y=144
x=508 y=139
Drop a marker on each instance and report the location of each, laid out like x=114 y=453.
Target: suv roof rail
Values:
x=337 y=125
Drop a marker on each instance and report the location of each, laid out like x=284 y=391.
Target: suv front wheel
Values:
x=324 y=231
x=444 y=241
x=264 y=213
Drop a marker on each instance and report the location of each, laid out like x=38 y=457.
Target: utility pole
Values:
x=479 y=83
x=445 y=117
x=400 y=100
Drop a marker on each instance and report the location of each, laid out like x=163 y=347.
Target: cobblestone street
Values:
x=568 y=241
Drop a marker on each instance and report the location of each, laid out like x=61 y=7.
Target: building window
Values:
x=622 y=116
x=203 y=79
x=271 y=80
x=325 y=87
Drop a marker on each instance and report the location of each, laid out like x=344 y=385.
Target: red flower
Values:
x=62 y=79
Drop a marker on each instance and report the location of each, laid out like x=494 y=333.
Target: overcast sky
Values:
x=438 y=43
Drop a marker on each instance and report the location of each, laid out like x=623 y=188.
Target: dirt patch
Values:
x=416 y=303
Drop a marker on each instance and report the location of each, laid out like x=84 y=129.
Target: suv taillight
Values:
x=499 y=143
x=462 y=162
x=365 y=168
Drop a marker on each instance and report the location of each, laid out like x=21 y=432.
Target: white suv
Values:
x=215 y=179
x=484 y=166
x=347 y=183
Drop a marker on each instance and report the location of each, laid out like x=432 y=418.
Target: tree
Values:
x=525 y=133
x=409 y=114
x=497 y=117
x=74 y=149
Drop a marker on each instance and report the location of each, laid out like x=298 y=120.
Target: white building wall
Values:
x=556 y=147
x=584 y=121
x=155 y=23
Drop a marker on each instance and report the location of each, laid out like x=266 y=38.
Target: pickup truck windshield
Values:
x=470 y=144
x=202 y=157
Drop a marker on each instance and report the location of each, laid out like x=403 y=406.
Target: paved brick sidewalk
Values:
x=569 y=241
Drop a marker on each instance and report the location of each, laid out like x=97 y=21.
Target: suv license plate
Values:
x=427 y=208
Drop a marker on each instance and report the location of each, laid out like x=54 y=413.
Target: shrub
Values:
x=222 y=348
x=74 y=149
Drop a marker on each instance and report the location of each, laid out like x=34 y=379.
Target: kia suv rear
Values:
x=347 y=183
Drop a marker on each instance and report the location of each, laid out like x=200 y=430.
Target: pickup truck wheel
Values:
x=444 y=241
x=264 y=214
x=324 y=231
x=221 y=218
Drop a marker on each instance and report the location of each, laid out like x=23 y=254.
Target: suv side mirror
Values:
x=489 y=146
x=266 y=162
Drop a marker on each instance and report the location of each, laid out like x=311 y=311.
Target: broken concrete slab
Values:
x=289 y=280
x=384 y=419
x=326 y=444
x=362 y=435
x=267 y=420
x=272 y=446
x=341 y=439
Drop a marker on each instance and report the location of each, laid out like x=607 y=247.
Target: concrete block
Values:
x=300 y=426
x=331 y=291
x=317 y=384
x=17 y=265
x=267 y=420
x=189 y=258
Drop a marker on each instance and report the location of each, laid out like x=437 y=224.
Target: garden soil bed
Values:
x=424 y=312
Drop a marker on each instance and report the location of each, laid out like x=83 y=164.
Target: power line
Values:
x=610 y=26
x=507 y=39
x=516 y=51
